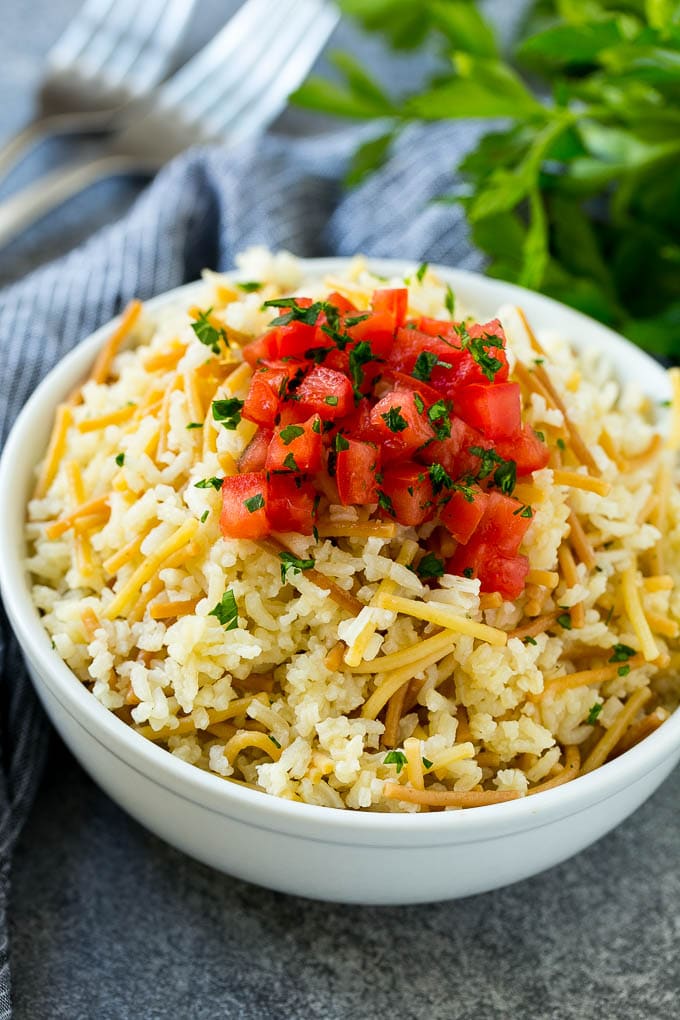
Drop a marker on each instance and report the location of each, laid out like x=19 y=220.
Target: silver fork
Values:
x=113 y=51
x=231 y=90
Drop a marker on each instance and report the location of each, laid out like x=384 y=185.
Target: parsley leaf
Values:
x=289 y=462
x=621 y=653
x=505 y=471
x=291 y=562
x=420 y=272
x=204 y=516
x=430 y=566
x=120 y=459
x=195 y=425
x=478 y=348
x=249 y=286
x=226 y=610
x=255 y=502
x=440 y=420
x=450 y=301
x=227 y=412
x=397 y=758
x=207 y=333
x=394 y=420
x=331 y=401
x=564 y=620
x=289 y=433
x=359 y=356
x=593 y=714
x=385 y=503
x=425 y=362
x=209 y=483
x=440 y=478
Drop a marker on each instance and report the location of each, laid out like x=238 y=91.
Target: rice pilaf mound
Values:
x=357 y=666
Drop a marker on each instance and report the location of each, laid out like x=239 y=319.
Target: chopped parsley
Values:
x=561 y=443
x=289 y=433
x=504 y=471
x=331 y=401
x=249 y=286
x=227 y=412
x=341 y=443
x=420 y=272
x=430 y=566
x=120 y=459
x=397 y=758
x=274 y=740
x=394 y=420
x=623 y=670
x=294 y=311
x=523 y=511
x=255 y=502
x=621 y=653
x=427 y=764
x=289 y=462
x=478 y=348
x=195 y=425
x=385 y=503
x=316 y=426
x=207 y=333
x=564 y=620
x=468 y=572
x=292 y=562
x=204 y=516
x=358 y=357
x=209 y=483
x=425 y=363
x=226 y=611
x=539 y=435
x=593 y=714
x=450 y=300
x=418 y=401
x=530 y=641
x=440 y=478
x=439 y=418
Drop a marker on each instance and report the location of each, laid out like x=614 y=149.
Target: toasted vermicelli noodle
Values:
x=347 y=680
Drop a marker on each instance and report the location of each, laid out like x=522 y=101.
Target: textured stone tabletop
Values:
x=135 y=929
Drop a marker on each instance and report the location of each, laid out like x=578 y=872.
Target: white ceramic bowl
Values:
x=297 y=848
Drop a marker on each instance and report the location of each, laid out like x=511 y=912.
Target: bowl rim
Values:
x=230 y=799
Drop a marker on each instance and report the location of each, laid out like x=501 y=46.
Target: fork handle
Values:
x=16 y=147
x=35 y=201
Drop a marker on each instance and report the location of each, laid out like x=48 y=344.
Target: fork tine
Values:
x=227 y=58
x=262 y=97
x=153 y=59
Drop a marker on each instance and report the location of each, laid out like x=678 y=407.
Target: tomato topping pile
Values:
x=416 y=417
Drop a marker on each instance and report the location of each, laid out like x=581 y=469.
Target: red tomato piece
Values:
x=255 y=454
x=409 y=493
x=502 y=524
x=295 y=339
x=495 y=570
x=399 y=424
x=296 y=447
x=291 y=504
x=326 y=392
x=461 y=516
x=438 y=327
x=339 y=301
x=244 y=499
x=400 y=381
x=377 y=329
x=526 y=449
x=358 y=423
x=454 y=453
x=394 y=301
x=410 y=344
x=355 y=473
x=262 y=402
x=494 y=410
x=264 y=347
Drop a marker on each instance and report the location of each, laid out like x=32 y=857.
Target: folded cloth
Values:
x=200 y=211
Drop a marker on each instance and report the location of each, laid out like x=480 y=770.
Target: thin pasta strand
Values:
x=448 y=798
x=55 y=450
x=101 y=368
x=608 y=742
x=149 y=567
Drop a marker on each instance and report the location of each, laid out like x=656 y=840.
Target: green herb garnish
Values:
x=204 y=516
x=385 y=503
x=397 y=758
x=621 y=653
x=504 y=471
x=291 y=562
x=564 y=620
x=289 y=462
x=207 y=333
x=450 y=300
x=255 y=502
x=440 y=478
x=289 y=433
x=331 y=401
x=120 y=459
x=593 y=714
x=394 y=420
x=227 y=412
x=209 y=483
x=195 y=425
x=226 y=611
x=430 y=566
x=249 y=286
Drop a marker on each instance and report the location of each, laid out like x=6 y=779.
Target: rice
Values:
x=272 y=701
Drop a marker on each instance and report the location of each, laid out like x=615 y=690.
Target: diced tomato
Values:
x=358 y=423
x=526 y=449
x=262 y=401
x=461 y=516
x=296 y=447
x=377 y=329
x=409 y=492
x=393 y=301
x=295 y=339
x=255 y=454
x=343 y=304
x=503 y=524
x=244 y=499
x=355 y=473
x=399 y=424
x=265 y=347
x=410 y=344
x=400 y=381
x=326 y=392
x=437 y=327
x=291 y=504
x=495 y=570
x=494 y=410
x=454 y=453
